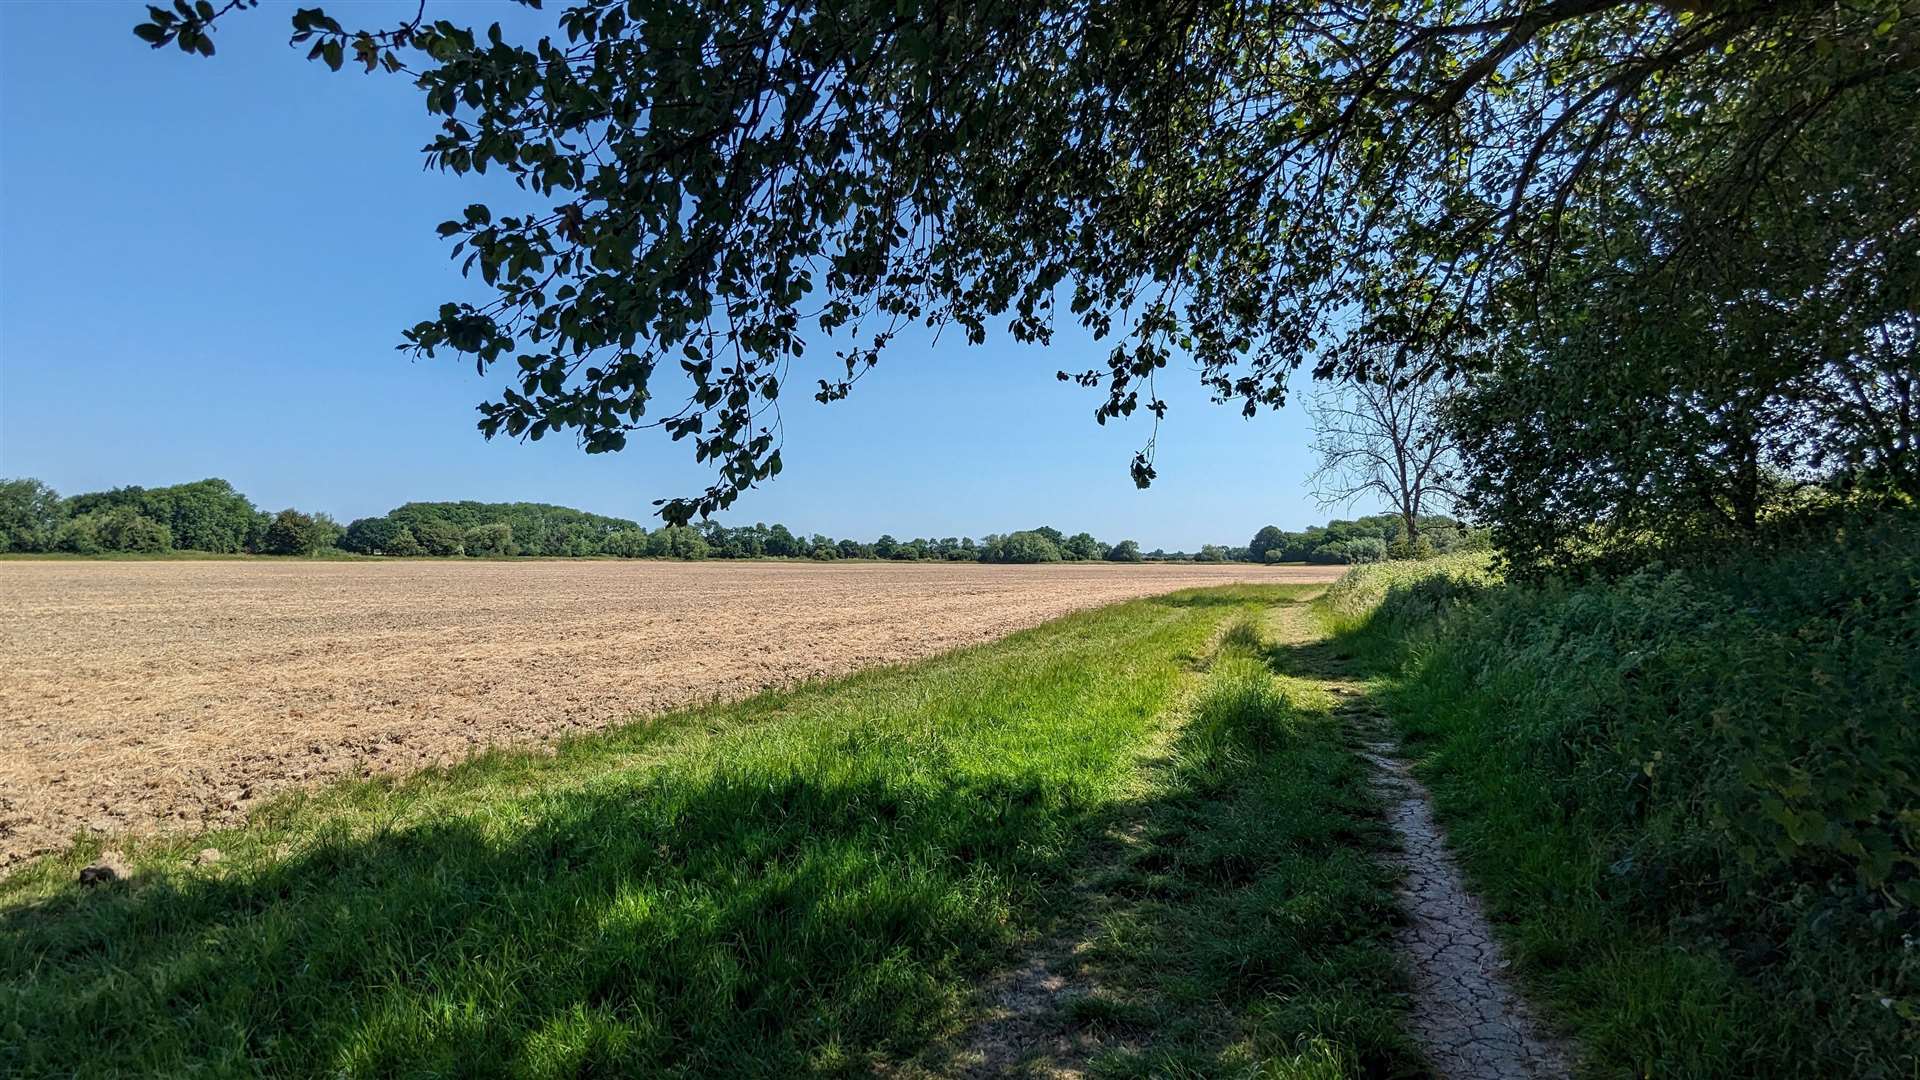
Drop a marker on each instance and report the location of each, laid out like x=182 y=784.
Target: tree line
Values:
x=211 y=516
x=206 y=515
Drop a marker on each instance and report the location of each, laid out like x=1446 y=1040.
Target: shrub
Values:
x=80 y=535
x=1021 y=547
x=294 y=533
x=489 y=540
x=124 y=530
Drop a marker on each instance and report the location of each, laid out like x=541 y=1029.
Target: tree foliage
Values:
x=206 y=515
x=1255 y=186
x=493 y=539
x=1026 y=546
x=1780 y=377
x=294 y=533
x=1366 y=539
x=541 y=529
x=31 y=514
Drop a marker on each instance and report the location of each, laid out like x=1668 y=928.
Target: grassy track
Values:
x=1251 y=931
x=806 y=882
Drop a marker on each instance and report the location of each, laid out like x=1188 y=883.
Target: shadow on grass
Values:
x=746 y=926
x=749 y=926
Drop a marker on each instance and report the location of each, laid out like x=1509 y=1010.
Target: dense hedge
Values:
x=1728 y=754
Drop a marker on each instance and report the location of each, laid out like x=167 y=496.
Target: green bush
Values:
x=1028 y=546
x=490 y=540
x=122 y=529
x=293 y=533
x=79 y=535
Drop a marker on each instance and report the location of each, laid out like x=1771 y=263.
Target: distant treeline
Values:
x=210 y=516
x=1363 y=540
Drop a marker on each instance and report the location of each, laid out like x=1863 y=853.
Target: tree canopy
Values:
x=1254 y=186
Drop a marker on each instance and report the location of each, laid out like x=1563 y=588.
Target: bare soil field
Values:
x=172 y=695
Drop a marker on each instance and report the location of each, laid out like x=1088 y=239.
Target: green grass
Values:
x=804 y=883
x=1251 y=937
x=1688 y=798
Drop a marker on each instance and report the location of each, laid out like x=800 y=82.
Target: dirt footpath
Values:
x=142 y=695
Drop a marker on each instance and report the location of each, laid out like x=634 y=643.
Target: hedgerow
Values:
x=1726 y=758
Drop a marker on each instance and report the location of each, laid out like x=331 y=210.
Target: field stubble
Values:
x=137 y=696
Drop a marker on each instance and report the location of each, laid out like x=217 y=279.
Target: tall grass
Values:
x=1693 y=796
x=802 y=883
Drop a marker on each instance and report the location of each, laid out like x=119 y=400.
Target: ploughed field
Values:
x=144 y=695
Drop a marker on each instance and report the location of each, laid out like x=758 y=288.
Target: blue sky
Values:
x=205 y=265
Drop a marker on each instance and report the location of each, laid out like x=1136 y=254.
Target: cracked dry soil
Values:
x=1467 y=1016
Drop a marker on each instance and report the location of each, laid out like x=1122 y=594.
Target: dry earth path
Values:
x=1467 y=1015
x=169 y=694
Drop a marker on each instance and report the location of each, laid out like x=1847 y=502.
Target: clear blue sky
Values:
x=205 y=265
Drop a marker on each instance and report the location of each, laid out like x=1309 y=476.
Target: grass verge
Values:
x=803 y=883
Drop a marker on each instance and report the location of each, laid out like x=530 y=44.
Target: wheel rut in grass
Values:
x=1466 y=1014
x=1026 y=1025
